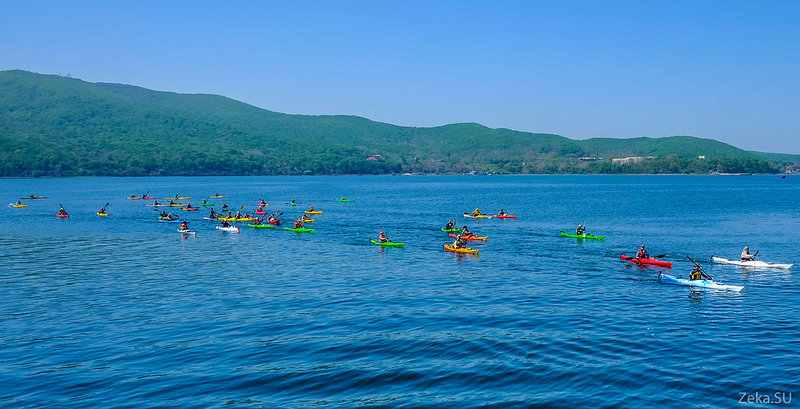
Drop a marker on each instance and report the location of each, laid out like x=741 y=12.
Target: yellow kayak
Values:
x=217 y=196
x=306 y=220
x=463 y=250
x=245 y=219
x=313 y=212
x=178 y=198
x=229 y=219
x=178 y=205
x=102 y=214
x=17 y=205
x=479 y=216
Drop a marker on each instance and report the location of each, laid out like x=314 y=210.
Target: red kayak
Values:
x=651 y=261
x=504 y=216
x=261 y=213
x=191 y=209
x=274 y=221
x=62 y=215
x=469 y=238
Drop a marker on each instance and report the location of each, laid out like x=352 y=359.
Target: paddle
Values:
x=703 y=272
x=660 y=256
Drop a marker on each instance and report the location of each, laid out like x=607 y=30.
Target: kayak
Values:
x=191 y=209
x=274 y=221
x=263 y=204
x=480 y=216
x=102 y=214
x=134 y=198
x=230 y=229
x=206 y=204
x=387 y=243
x=293 y=204
x=245 y=219
x=344 y=200
x=34 y=197
x=451 y=230
x=753 y=263
x=463 y=250
x=313 y=211
x=210 y=218
x=187 y=231
x=698 y=283
x=217 y=197
x=299 y=230
x=177 y=205
x=261 y=213
x=169 y=221
x=63 y=216
x=504 y=216
x=227 y=219
x=17 y=205
x=261 y=226
x=306 y=220
x=157 y=205
x=469 y=238
x=178 y=198
x=582 y=236
x=653 y=261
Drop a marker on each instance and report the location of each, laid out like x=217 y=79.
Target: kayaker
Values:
x=18 y=203
x=459 y=243
x=163 y=214
x=298 y=225
x=224 y=207
x=213 y=214
x=225 y=223
x=311 y=208
x=304 y=217
x=188 y=205
x=450 y=225
x=229 y=215
x=257 y=222
x=580 y=230
x=171 y=203
x=155 y=203
x=501 y=212
x=204 y=201
x=746 y=256
x=293 y=203
x=476 y=212
x=184 y=225
x=260 y=209
x=238 y=214
x=262 y=203
x=62 y=211
x=343 y=198
x=102 y=210
x=465 y=231
x=176 y=196
x=642 y=253
x=697 y=273
x=382 y=238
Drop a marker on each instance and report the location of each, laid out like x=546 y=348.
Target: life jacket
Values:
x=696 y=275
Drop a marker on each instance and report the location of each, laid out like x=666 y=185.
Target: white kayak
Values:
x=230 y=229
x=187 y=231
x=751 y=263
x=698 y=283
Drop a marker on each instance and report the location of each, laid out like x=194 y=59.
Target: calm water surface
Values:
x=125 y=312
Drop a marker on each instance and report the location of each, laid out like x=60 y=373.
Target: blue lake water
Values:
x=124 y=311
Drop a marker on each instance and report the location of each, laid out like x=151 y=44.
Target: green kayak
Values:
x=299 y=230
x=206 y=204
x=261 y=226
x=388 y=243
x=344 y=200
x=452 y=230
x=582 y=236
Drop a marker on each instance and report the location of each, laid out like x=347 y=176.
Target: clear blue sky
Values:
x=728 y=70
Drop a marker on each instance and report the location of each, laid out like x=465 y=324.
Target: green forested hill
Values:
x=57 y=126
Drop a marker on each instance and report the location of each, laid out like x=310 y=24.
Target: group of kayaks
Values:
x=706 y=282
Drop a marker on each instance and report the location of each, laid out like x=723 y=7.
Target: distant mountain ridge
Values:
x=57 y=126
